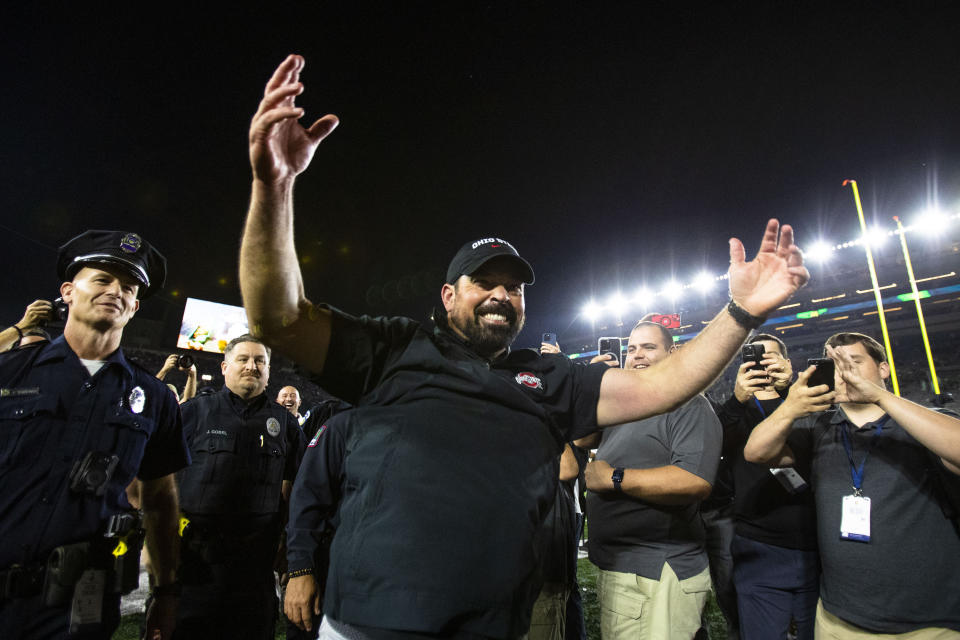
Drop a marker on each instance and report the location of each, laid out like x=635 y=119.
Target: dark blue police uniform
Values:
x=231 y=494
x=52 y=415
x=451 y=464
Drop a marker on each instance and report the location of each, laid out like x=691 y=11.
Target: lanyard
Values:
x=856 y=473
x=760 y=406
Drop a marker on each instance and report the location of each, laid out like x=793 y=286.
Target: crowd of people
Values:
x=436 y=494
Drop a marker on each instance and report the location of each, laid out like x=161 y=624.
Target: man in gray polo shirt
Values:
x=645 y=487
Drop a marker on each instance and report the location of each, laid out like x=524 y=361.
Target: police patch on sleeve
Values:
x=273 y=427
x=137 y=399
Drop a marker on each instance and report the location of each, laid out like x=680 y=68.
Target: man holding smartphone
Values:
x=885 y=477
x=774 y=542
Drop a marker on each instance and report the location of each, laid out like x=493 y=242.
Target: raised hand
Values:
x=850 y=383
x=767 y=281
x=280 y=147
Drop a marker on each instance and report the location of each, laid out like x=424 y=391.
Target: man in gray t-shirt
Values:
x=645 y=488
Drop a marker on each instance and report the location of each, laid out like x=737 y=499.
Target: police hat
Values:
x=126 y=251
x=477 y=253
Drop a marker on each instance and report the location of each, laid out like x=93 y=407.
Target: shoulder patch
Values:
x=316 y=438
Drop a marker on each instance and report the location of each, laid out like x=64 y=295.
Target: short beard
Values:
x=488 y=340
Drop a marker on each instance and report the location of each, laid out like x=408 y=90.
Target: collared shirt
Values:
x=52 y=414
x=635 y=536
x=908 y=575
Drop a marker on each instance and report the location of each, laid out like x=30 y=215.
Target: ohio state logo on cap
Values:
x=528 y=379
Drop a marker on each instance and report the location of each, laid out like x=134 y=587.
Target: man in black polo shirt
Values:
x=452 y=463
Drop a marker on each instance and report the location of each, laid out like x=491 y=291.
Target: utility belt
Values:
x=115 y=556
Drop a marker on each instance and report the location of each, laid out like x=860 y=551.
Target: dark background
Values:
x=612 y=143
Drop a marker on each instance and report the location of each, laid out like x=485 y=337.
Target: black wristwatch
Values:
x=617 y=479
x=743 y=317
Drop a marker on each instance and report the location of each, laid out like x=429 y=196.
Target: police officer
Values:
x=246 y=449
x=78 y=422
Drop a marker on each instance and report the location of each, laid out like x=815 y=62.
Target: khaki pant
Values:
x=549 y=617
x=830 y=627
x=632 y=607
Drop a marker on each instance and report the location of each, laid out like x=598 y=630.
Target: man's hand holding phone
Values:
x=804 y=399
x=749 y=381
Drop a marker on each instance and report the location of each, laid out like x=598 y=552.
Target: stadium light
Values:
x=876 y=236
x=819 y=251
x=931 y=222
x=591 y=311
x=672 y=289
x=704 y=282
x=642 y=297
x=617 y=304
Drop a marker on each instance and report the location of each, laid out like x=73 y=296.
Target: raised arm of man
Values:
x=270 y=279
x=938 y=432
x=756 y=287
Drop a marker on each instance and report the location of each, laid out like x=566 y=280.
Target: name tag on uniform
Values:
x=855 y=521
x=87 y=605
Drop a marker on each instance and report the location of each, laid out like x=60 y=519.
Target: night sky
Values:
x=612 y=143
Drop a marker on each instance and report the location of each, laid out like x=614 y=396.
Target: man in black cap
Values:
x=79 y=422
x=452 y=458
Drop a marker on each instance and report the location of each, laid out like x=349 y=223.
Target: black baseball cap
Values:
x=477 y=253
x=119 y=249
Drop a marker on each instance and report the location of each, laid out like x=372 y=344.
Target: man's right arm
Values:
x=270 y=279
x=767 y=443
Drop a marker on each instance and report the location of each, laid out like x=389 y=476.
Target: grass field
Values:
x=586 y=572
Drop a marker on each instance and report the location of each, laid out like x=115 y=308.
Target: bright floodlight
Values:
x=617 y=304
x=591 y=311
x=673 y=289
x=819 y=251
x=642 y=297
x=704 y=281
x=931 y=222
x=876 y=237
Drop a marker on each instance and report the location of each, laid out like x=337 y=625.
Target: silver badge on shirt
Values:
x=137 y=399
x=273 y=427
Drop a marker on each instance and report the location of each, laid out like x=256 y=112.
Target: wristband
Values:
x=172 y=589
x=743 y=317
x=300 y=572
x=19 y=331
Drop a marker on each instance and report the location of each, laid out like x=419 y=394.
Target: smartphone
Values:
x=823 y=374
x=550 y=338
x=752 y=353
x=610 y=345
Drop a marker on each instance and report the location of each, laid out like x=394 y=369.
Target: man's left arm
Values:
x=161 y=513
x=757 y=287
x=694 y=437
x=668 y=485
x=938 y=432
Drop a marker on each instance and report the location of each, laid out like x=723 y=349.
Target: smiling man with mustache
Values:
x=247 y=449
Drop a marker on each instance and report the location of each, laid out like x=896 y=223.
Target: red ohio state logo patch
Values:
x=527 y=379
